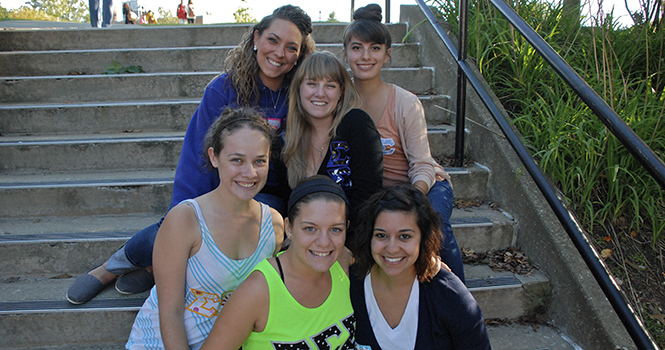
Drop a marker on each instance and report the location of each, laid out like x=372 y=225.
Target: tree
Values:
x=332 y=18
x=65 y=10
x=243 y=15
x=166 y=16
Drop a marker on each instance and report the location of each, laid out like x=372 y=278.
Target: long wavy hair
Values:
x=241 y=61
x=297 y=136
x=402 y=198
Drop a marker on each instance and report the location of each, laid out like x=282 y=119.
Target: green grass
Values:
x=602 y=182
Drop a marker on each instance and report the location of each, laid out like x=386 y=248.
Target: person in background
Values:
x=257 y=73
x=402 y=298
x=209 y=244
x=106 y=12
x=181 y=12
x=327 y=135
x=191 y=16
x=300 y=298
x=400 y=119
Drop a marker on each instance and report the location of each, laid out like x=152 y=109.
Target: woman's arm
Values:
x=192 y=177
x=366 y=157
x=175 y=240
x=278 y=226
x=455 y=310
x=411 y=121
x=245 y=311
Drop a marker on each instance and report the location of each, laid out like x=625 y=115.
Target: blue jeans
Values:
x=441 y=198
x=106 y=9
x=137 y=252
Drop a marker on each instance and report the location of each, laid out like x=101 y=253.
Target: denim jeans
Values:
x=107 y=13
x=137 y=252
x=441 y=198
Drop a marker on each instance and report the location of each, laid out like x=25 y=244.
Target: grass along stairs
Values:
x=88 y=159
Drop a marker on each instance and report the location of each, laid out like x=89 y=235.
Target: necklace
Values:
x=272 y=97
x=319 y=149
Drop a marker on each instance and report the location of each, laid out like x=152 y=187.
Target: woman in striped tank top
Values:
x=208 y=245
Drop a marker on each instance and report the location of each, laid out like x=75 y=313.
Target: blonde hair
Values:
x=298 y=130
x=241 y=61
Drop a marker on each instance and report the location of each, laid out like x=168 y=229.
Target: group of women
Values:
x=298 y=137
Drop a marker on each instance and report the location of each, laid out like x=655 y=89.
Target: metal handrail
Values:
x=623 y=133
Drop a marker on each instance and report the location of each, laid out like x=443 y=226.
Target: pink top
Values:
x=406 y=153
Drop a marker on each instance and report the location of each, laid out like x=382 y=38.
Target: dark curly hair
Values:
x=367 y=27
x=402 y=198
x=241 y=61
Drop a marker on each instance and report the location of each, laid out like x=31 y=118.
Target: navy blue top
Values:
x=448 y=316
x=192 y=177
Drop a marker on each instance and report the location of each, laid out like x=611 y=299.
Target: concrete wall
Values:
x=577 y=305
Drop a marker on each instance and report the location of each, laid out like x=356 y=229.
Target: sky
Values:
x=220 y=11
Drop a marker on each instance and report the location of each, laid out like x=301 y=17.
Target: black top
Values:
x=448 y=316
x=354 y=159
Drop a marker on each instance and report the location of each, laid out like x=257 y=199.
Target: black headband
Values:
x=315 y=185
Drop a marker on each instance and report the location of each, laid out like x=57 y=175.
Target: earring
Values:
x=254 y=48
x=295 y=64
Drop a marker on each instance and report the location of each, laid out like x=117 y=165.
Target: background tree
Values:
x=166 y=16
x=332 y=18
x=65 y=10
x=243 y=15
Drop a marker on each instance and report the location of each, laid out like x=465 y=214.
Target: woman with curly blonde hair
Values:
x=257 y=74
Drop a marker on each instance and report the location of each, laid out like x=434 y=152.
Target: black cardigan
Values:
x=448 y=316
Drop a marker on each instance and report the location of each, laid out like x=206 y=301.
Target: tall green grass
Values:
x=603 y=183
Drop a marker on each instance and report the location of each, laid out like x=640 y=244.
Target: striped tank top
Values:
x=211 y=278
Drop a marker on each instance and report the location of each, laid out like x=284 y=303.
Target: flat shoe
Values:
x=135 y=281
x=84 y=288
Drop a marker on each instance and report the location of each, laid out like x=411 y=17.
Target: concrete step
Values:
x=528 y=337
x=151 y=60
x=39 y=246
x=518 y=294
x=126 y=151
x=144 y=116
x=137 y=191
x=86 y=193
x=152 y=86
x=34 y=312
x=54 y=154
x=153 y=37
x=505 y=337
x=482 y=229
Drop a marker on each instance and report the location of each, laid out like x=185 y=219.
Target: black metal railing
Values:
x=601 y=109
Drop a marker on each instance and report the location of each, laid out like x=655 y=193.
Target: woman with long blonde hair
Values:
x=327 y=134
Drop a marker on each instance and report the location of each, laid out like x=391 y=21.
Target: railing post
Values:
x=461 y=84
x=387 y=11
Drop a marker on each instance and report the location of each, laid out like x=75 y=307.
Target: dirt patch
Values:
x=639 y=269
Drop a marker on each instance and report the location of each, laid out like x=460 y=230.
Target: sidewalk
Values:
x=26 y=24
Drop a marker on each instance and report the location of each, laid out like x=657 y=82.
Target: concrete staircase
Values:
x=87 y=159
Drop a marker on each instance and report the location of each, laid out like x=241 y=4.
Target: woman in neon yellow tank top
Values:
x=300 y=299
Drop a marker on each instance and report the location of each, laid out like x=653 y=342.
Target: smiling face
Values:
x=243 y=162
x=395 y=243
x=365 y=58
x=318 y=233
x=319 y=97
x=277 y=50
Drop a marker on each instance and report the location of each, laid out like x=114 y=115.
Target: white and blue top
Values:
x=211 y=278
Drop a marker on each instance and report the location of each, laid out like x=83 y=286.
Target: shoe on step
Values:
x=84 y=288
x=135 y=281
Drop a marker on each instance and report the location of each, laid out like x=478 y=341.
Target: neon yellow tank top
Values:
x=293 y=326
